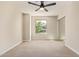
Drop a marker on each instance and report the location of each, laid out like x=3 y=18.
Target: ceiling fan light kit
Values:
x=42 y=6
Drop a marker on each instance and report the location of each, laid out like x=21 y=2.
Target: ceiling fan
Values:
x=42 y=5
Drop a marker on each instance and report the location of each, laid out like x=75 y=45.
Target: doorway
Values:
x=61 y=28
x=26 y=27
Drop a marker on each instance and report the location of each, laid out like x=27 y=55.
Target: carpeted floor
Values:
x=41 y=48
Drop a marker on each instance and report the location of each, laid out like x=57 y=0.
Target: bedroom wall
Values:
x=10 y=25
x=51 y=32
x=71 y=26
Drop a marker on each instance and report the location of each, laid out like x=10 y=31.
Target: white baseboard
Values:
x=10 y=48
x=72 y=49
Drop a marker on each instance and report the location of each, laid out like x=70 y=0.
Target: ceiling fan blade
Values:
x=50 y=4
x=45 y=9
x=33 y=4
x=37 y=9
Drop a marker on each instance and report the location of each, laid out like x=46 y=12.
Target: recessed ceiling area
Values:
x=52 y=10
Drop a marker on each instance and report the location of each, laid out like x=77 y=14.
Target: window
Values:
x=41 y=26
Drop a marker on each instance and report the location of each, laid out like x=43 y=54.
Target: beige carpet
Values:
x=40 y=48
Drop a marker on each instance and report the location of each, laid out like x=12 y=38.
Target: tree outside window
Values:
x=40 y=26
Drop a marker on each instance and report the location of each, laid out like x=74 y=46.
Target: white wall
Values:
x=10 y=25
x=71 y=26
x=62 y=9
x=26 y=27
x=51 y=27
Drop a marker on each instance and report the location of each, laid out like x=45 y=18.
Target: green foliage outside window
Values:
x=40 y=26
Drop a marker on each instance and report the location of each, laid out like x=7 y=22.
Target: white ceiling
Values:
x=52 y=10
